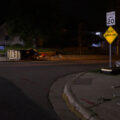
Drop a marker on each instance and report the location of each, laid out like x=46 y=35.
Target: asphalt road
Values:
x=24 y=87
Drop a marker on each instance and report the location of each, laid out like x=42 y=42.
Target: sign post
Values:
x=110 y=35
x=110 y=56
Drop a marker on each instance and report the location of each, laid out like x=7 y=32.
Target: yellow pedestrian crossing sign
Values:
x=110 y=35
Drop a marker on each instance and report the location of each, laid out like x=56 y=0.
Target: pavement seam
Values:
x=81 y=111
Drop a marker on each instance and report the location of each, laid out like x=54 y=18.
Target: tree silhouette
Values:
x=34 y=19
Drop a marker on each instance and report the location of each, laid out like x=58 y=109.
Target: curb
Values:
x=76 y=107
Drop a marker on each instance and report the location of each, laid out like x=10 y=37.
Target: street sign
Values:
x=110 y=35
x=110 y=18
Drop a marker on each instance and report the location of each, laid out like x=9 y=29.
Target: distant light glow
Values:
x=106 y=70
x=98 y=33
x=96 y=44
x=2 y=47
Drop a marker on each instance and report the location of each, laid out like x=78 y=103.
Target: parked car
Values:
x=31 y=54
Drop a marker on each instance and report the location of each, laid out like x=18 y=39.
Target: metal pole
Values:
x=110 y=56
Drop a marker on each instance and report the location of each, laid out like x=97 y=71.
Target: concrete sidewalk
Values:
x=93 y=96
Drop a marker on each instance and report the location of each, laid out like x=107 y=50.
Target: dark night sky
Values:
x=91 y=11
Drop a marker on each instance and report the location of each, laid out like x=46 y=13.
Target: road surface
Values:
x=24 y=87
